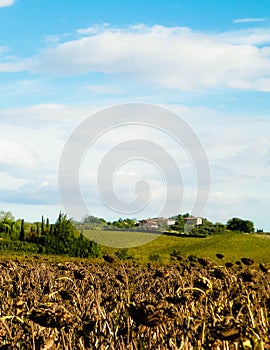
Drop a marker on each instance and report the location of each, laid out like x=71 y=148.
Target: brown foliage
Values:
x=82 y=305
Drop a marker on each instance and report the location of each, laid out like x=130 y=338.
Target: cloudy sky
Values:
x=208 y=62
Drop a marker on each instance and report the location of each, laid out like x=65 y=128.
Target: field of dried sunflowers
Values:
x=190 y=304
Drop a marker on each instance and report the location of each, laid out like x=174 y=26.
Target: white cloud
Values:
x=14 y=153
x=23 y=87
x=163 y=57
x=9 y=182
x=12 y=67
x=48 y=115
x=93 y=30
x=25 y=178
x=6 y=3
x=249 y=20
x=18 y=160
x=32 y=192
x=8 y=63
x=250 y=36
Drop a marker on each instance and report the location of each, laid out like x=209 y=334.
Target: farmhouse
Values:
x=156 y=223
x=149 y=224
x=191 y=222
x=170 y=222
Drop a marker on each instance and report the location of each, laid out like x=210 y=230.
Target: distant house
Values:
x=156 y=223
x=149 y=224
x=170 y=222
x=191 y=222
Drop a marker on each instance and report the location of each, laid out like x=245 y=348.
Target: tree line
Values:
x=208 y=228
x=60 y=238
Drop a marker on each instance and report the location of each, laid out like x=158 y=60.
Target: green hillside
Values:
x=233 y=246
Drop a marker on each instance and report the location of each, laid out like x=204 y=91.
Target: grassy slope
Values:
x=119 y=239
x=233 y=245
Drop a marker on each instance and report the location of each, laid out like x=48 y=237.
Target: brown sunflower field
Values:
x=188 y=304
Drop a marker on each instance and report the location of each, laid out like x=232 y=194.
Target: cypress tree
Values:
x=38 y=229
x=47 y=225
x=22 y=236
x=42 y=225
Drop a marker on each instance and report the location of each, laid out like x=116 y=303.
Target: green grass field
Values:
x=233 y=246
x=141 y=246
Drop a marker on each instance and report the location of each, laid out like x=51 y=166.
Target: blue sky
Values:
x=208 y=61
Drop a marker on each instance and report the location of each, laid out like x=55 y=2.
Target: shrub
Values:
x=176 y=255
x=122 y=254
x=17 y=246
x=154 y=257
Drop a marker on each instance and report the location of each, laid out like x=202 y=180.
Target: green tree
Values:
x=90 y=219
x=6 y=216
x=237 y=224
x=6 y=222
x=47 y=225
x=63 y=234
x=42 y=225
x=64 y=239
x=22 y=234
x=208 y=228
x=248 y=226
x=124 y=223
x=37 y=228
x=179 y=224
